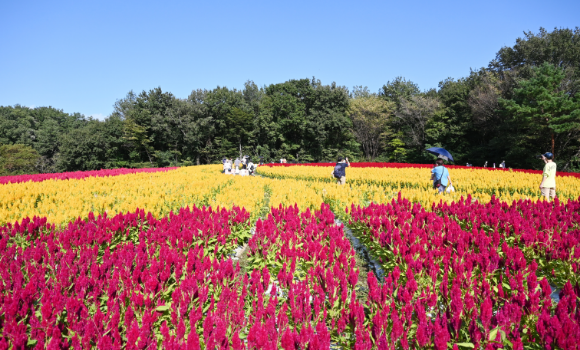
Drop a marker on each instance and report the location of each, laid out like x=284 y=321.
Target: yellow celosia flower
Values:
x=307 y=187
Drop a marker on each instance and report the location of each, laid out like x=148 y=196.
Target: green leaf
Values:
x=162 y=308
x=493 y=334
x=503 y=336
x=31 y=342
x=465 y=345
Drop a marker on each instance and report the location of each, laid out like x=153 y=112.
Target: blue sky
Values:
x=81 y=56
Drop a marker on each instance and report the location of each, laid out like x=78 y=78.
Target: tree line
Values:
x=524 y=103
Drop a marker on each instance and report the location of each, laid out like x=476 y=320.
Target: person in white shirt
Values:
x=228 y=167
x=251 y=168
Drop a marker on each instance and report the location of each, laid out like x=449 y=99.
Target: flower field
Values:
x=76 y=175
x=474 y=274
x=413 y=182
x=416 y=166
x=210 y=261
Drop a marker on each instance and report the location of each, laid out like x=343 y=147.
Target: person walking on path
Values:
x=440 y=176
x=340 y=170
x=548 y=184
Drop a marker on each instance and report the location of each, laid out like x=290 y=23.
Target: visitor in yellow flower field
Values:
x=340 y=170
x=440 y=176
x=548 y=184
x=227 y=166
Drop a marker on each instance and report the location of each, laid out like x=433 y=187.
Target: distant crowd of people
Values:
x=501 y=165
x=242 y=167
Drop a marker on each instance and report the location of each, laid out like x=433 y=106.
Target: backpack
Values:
x=337 y=169
x=437 y=182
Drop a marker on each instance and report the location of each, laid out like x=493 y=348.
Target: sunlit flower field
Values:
x=190 y=258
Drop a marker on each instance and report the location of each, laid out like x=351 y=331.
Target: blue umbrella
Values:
x=441 y=153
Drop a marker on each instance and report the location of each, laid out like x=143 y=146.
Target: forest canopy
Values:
x=524 y=103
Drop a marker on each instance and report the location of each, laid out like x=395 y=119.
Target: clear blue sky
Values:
x=81 y=56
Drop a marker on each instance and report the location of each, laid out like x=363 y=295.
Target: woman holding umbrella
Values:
x=439 y=174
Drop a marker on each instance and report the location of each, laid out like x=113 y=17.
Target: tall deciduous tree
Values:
x=370 y=117
x=413 y=116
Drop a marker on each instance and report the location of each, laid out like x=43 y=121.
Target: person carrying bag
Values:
x=339 y=172
x=440 y=177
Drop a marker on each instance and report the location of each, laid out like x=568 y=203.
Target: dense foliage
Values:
x=525 y=102
x=18 y=159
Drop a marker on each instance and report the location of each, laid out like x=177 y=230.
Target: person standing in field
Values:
x=548 y=184
x=440 y=176
x=228 y=167
x=340 y=170
x=251 y=168
x=237 y=163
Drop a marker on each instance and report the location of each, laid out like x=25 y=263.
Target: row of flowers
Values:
x=481 y=184
x=464 y=275
x=308 y=186
x=313 y=279
x=477 y=275
x=76 y=175
x=133 y=281
x=158 y=192
x=128 y=281
x=417 y=166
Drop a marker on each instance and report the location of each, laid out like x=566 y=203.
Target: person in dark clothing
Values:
x=340 y=170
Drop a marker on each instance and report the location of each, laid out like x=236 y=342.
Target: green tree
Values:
x=359 y=91
x=452 y=127
x=561 y=48
x=202 y=128
x=222 y=136
x=304 y=120
x=241 y=124
x=398 y=90
x=138 y=139
x=95 y=146
x=40 y=128
x=413 y=119
x=543 y=105
x=18 y=159
x=370 y=117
